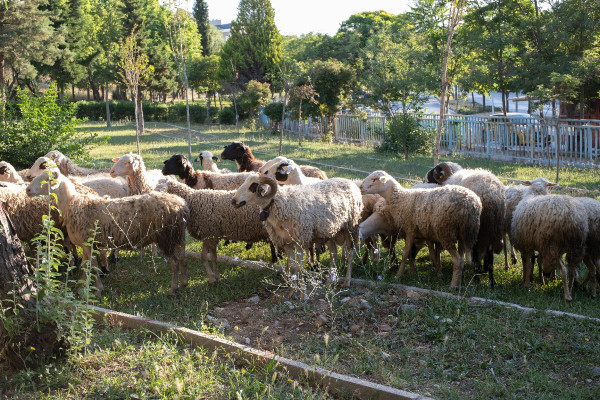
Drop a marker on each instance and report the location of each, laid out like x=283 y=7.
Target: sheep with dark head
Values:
x=179 y=165
x=246 y=162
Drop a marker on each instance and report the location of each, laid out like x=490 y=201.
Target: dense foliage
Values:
x=38 y=124
x=405 y=136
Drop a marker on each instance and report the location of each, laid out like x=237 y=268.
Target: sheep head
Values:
x=539 y=186
x=441 y=172
x=45 y=183
x=206 y=155
x=43 y=164
x=235 y=151
x=60 y=159
x=257 y=190
x=177 y=165
x=278 y=168
x=125 y=165
x=378 y=182
x=8 y=173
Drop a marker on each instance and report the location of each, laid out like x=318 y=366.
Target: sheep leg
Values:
x=291 y=260
x=274 y=255
x=104 y=262
x=389 y=243
x=488 y=264
x=527 y=269
x=205 y=260
x=179 y=255
x=408 y=242
x=566 y=277
x=213 y=259
x=513 y=255
x=433 y=253
x=458 y=262
x=505 y=252
x=591 y=265
x=332 y=253
x=349 y=270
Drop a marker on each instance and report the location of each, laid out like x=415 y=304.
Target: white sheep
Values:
x=212 y=218
x=297 y=216
x=491 y=192
x=552 y=225
x=139 y=180
x=8 y=173
x=447 y=215
x=286 y=172
x=209 y=162
x=67 y=167
x=101 y=184
x=592 y=241
x=180 y=166
x=122 y=223
x=513 y=196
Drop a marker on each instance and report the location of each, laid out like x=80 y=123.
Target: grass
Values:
x=485 y=351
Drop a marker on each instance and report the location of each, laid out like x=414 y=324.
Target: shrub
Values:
x=274 y=111
x=160 y=112
x=404 y=135
x=38 y=124
x=227 y=116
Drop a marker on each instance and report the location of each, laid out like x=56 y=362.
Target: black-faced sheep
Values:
x=123 y=223
x=212 y=218
x=441 y=172
x=297 y=216
x=447 y=215
x=246 y=162
x=180 y=166
x=552 y=225
x=491 y=192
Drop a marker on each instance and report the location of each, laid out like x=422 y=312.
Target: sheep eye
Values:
x=43 y=165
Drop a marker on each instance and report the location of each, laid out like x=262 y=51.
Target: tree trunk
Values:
x=282 y=121
x=30 y=344
x=140 y=120
x=483 y=102
x=208 y=108
x=108 y=123
x=2 y=90
x=137 y=119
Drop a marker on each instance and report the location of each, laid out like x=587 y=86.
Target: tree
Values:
x=134 y=66
x=181 y=40
x=332 y=80
x=27 y=36
x=23 y=340
x=200 y=13
x=455 y=15
x=255 y=45
x=256 y=95
x=299 y=94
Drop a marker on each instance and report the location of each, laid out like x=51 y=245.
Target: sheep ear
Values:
x=116 y=159
x=135 y=164
x=262 y=191
x=215 y=159
x=551 y=184
x=526 y=183
x=254 y=187
x=383 y=179
x=3 y=169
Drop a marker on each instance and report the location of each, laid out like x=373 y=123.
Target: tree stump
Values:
x=26 y=344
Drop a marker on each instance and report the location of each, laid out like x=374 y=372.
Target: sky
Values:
x=295 y=17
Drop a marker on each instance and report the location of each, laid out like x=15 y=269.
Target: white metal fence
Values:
x=520 y=139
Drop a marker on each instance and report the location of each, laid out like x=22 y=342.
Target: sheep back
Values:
x=301 y=215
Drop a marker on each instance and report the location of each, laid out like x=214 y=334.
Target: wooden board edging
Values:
x=331 y=381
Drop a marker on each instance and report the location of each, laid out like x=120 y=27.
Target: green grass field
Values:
x=435 y=346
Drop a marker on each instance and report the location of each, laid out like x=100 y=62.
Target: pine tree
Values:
x=200 y=13
x=26 y=35
x=255 y=47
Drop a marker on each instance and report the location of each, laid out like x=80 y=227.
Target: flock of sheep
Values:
x=297 y=209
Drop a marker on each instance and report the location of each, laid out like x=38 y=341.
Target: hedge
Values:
x=121 y=110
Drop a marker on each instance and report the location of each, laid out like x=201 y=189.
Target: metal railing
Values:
x=531 y=140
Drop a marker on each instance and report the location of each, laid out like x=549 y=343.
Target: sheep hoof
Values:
x=513 y=260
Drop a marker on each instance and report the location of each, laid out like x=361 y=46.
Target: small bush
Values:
x=38 y=124
x=227 y=116
x=404 y=135
x=274 y=111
